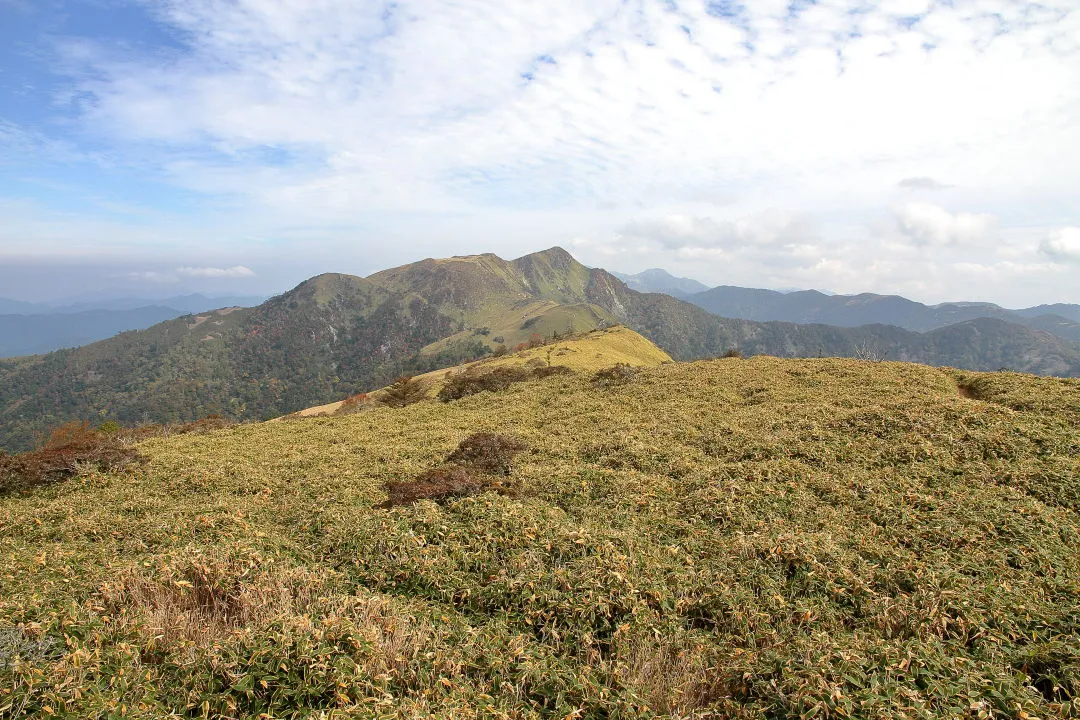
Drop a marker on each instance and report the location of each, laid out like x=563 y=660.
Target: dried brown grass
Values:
x=672 y=674
x=354 y=404
x=201 y=603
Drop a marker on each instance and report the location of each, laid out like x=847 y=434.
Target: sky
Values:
x=926 y=148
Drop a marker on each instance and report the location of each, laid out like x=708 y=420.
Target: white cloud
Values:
x=684 y=232
x=238 y=271
x=1062 y=246
x=423 y=104
x=921 y=183
x=437 y=128
x=926 y=224
x=676 y=232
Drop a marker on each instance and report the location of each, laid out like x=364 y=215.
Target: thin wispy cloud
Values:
x=605 y=120
x=922 y=183
x=238 y=271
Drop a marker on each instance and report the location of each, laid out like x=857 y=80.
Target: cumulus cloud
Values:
x=1062 y=246
x=237 y=271
x=926 y=224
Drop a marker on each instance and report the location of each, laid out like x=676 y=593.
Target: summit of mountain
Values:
x=334 y=335
x=660 y=280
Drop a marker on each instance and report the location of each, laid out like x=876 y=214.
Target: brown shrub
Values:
x=441 y=483
x=618 y=374
x=459 y=386
x=733 y=353
x=549 y=370
x=480 y=463
x=69 y=449
x=487 y=452
x=406 y=390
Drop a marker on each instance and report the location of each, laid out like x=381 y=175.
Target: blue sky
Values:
x=925 y=148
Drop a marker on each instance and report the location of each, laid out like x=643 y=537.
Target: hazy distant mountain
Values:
x=337 y=334
x=658 y=280
x=811 y=306
x=33 y=334
x=191 y=303
x=1071 y=312
x=32 y=328
x=10 y=307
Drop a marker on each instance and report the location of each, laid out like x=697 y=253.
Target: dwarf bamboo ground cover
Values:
x=754 y=538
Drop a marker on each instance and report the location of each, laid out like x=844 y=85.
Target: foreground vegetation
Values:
x=756 y=538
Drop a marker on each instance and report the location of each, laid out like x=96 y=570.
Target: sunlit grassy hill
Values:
x=587 y=352
x=758 y=538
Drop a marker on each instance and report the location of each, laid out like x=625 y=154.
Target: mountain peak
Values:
x=556 y=256
x=660 y=280
x=554 y=274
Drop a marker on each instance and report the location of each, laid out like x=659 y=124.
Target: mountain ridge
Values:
x=812 y=306
x=334 y=335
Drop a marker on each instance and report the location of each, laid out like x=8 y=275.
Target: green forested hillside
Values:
x=762 y=538
x=335 y=335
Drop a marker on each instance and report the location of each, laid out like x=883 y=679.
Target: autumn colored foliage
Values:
x=480 y=463
x=69 y=449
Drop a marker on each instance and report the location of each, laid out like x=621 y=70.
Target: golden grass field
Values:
x=588 y=353
x=759 y=538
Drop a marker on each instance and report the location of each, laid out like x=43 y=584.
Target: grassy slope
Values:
x=763 y=538
x=520 y=322
x=596 y=350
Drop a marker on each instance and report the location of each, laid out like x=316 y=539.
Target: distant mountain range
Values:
x=191 y=303
x=334 y=335
x=813 y=306
x=32 y=328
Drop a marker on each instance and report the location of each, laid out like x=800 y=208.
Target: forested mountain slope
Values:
x=335 y=335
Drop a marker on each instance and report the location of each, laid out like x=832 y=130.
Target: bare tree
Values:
x=866 y=350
